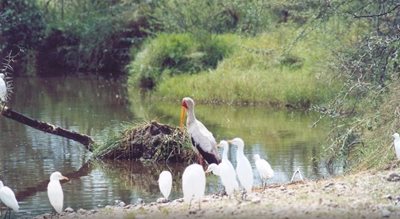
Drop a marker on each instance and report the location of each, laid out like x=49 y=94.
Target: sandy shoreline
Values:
x=363 y=195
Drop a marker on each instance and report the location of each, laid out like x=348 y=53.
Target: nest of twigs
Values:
x=150 y=141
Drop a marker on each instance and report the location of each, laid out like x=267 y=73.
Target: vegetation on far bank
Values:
x=337 y=57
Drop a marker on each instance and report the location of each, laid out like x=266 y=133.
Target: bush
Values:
x=174 y=54
x=215 y=16
x=21 y=24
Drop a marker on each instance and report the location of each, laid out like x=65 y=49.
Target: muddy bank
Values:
x=371 y=194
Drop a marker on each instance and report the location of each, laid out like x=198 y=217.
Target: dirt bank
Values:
x=362 y=195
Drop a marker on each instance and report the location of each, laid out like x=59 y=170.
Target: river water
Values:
x=90 y=105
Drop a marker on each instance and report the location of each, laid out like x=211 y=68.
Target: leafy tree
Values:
x=21 y=25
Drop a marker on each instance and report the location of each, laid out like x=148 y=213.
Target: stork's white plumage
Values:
x=396 y=143
x=202 y=139
x=7 y=196
x=193 y=183
x=165 y=183
x=55 y=192
x=243 y=167
x=264 y=169
x=225 y=171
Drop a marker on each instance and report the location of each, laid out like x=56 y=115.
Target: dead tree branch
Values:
x=377 y=15
x=86 y=140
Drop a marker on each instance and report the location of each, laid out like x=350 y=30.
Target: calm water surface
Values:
x=89 y=105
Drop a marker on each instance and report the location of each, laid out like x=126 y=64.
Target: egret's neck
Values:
x=190 y=116
x=225 y=151
x=239 y=151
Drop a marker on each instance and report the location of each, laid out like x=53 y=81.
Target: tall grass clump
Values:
x=261 y=70
x=175 y=54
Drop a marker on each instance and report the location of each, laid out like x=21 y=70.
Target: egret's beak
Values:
x=218 y=145
x=182 y=118
x=65 y=178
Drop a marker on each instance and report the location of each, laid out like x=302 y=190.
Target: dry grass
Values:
x=148 y=140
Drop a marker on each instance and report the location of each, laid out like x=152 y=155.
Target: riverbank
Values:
x=369 y=194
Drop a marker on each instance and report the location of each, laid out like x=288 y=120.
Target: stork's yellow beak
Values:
x=182 y=118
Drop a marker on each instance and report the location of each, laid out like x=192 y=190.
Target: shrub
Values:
x=21 y=24
x=174 y=54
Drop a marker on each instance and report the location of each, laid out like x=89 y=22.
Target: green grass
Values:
x=377 y=125
x=261 y=71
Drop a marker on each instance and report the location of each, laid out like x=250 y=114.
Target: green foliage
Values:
x=365 y=108
x=21 y=25
x=261 y=71
x=220 y=16
x=174 y=54
x=91 y=36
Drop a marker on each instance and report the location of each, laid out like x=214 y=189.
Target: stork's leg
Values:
x=8 y=213
x=200 y=160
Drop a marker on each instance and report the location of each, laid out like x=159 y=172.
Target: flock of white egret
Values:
x=54 y=192
x=194 y=178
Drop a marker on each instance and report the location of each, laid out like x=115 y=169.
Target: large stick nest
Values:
x=150 y=141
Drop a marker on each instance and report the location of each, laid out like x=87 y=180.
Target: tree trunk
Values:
x=86 y=140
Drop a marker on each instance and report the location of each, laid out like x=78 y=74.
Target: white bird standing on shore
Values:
x=264 y=169
x=7 y=196
x=225 y=170
x=193 y=183
x=165 y=183
x=243 y=167
x=55 y=192
x=396 y=143
x=202 y=139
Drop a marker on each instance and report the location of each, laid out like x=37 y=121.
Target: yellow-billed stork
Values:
x=202 y=139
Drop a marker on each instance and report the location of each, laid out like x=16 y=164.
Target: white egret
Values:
x=3 y=89
x=165 y=183
x=193 y=183
x=264 y=169
x=6 y=87
x=396 y=143
x=55 y=192
x=295 y=173
x=243 y=167
x=202 y=139
x=228 y=178
x=225 y=170
x=7 y=196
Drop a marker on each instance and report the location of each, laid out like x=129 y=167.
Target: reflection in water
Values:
x=89 y=105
